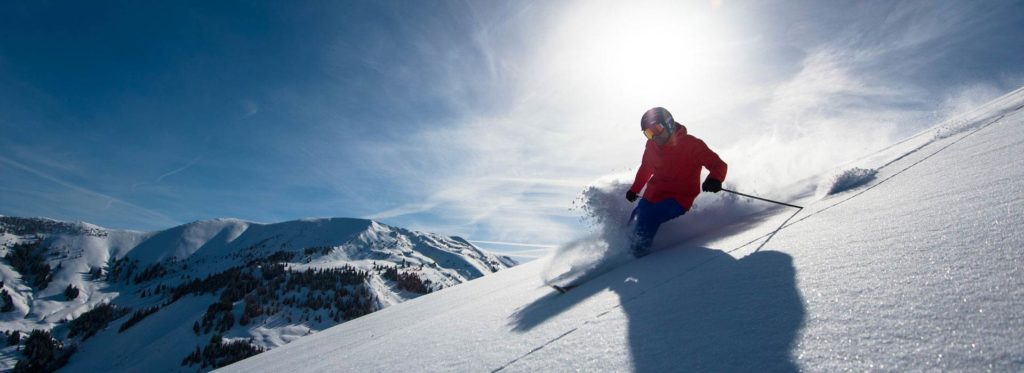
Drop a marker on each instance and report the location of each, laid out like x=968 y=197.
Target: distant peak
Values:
x=20 y=225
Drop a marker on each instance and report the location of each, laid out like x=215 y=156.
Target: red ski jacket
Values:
x=676 y=168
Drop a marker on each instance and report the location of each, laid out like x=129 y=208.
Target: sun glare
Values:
x=643 y=52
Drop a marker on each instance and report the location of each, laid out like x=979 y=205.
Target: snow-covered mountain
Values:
x=226 y=288
x=909 y=259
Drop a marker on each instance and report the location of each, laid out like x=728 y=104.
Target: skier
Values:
x=670 y=169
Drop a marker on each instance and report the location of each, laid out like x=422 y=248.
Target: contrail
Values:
x=110 y=199
x=172 y=172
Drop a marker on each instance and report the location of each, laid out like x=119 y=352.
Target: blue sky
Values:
x=482 y=119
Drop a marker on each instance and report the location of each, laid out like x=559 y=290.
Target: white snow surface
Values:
x=919 y=268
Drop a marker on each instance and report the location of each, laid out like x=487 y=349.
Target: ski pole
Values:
x=759 y=198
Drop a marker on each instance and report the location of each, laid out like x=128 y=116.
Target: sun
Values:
x=654 y=52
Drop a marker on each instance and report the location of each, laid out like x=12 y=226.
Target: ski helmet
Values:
x=658 y=116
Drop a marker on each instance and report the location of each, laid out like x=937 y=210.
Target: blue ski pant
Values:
x=646 y=219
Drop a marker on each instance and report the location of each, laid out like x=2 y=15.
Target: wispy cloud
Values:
x=487 y=119
x=515 y=244
x=855 y=93
x=401 y=211
x=515 y=249
x=514 y=171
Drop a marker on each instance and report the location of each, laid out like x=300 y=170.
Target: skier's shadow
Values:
x=697 y=309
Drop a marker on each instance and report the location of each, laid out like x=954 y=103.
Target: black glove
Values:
x=711 y=185
x=630 y=196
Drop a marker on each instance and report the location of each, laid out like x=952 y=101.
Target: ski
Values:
x=580 y=280
x=563 y=288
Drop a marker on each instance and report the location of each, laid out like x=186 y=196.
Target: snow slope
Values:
x=918 y=267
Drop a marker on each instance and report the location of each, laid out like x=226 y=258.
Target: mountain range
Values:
x=206 y=293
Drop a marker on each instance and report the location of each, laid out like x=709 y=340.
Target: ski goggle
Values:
x=656 y=130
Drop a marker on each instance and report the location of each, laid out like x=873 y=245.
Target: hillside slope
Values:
x=914 y=262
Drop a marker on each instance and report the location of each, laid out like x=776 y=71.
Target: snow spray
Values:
x=607 y=213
